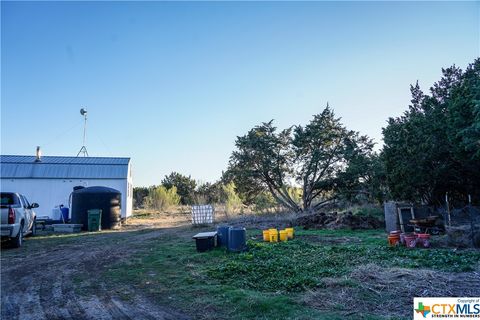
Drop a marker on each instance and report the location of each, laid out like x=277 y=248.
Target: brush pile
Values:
x=336 y=220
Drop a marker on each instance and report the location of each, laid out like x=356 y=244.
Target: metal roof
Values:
x=53 y=167
x=64 y=160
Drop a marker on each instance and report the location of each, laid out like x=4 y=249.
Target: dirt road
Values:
x=38 y=281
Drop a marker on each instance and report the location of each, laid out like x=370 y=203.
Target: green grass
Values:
x=270 y=279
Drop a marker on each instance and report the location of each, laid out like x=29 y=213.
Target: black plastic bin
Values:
x=205 y=241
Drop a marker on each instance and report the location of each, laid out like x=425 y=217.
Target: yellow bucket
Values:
x=273 y=234
x=289 y=232
x=266 y=235
x=283 y=235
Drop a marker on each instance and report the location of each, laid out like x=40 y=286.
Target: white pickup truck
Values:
x=17 y=217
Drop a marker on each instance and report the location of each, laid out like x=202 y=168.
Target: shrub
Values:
x=161 y=198
x=232 y=200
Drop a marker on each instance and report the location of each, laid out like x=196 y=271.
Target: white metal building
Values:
x=49 y=180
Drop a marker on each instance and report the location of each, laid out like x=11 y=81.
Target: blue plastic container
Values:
x=222 y=236
x=64 y=213
x=237 y=239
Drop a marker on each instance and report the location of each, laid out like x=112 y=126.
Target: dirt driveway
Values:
x=38 y=281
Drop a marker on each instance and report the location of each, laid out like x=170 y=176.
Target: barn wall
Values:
x=49 y=193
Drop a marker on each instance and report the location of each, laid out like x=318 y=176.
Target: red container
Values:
x=424 y=240
x=410 y=240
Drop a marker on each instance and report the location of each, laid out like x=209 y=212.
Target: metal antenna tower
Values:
x=83 y=149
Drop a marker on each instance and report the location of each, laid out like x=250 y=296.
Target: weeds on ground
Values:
x=299 y=265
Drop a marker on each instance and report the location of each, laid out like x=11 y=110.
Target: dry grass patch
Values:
x=369 y=286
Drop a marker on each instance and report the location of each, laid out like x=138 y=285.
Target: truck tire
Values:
x=18 y=240
x=33 y=230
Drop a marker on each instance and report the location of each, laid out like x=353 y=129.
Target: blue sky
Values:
x=171 y=84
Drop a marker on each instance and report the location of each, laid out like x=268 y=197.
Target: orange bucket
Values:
x=393 y=240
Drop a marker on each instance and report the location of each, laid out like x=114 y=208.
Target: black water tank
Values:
x=107 y=199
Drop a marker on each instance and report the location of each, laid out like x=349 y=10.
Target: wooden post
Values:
x=400 y=218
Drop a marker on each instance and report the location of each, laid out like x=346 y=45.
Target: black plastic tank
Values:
x=237 y=239
x=107 y=199
x=222 y=236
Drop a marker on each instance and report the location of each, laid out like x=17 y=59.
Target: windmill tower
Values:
x=83 y=149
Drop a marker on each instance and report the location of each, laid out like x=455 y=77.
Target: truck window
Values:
x=25 y=201
x=8 y=199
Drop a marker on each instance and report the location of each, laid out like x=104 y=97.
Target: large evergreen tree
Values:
x=315 y=157
x=434 y=147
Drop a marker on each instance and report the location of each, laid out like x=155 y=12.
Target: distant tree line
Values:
x=177 y=189
x=431 y=150
x=174 y=189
